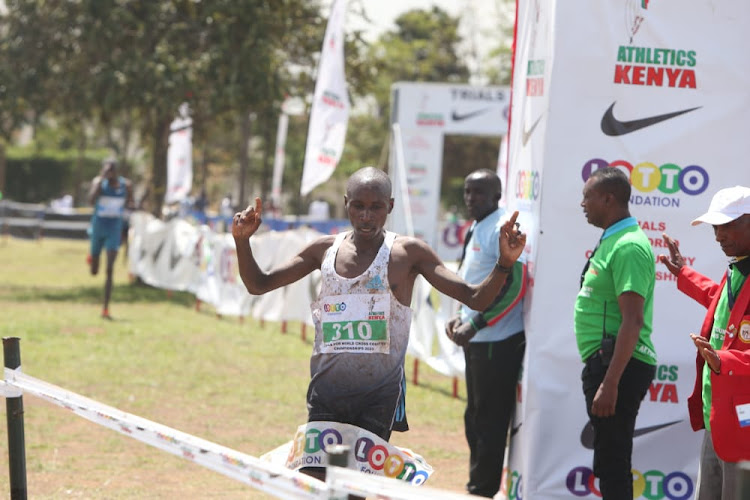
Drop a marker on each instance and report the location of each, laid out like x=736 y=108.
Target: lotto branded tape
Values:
x=368 y=453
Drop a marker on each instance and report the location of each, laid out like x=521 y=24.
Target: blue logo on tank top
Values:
x=375 y=283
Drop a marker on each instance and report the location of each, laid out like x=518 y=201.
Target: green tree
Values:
x=109 y=63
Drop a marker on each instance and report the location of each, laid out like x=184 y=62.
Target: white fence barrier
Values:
x=177 y=255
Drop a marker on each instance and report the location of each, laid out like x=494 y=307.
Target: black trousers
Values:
x=492 y=370
x=613 y=436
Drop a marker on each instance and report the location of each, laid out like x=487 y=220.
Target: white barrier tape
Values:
x=341 y=481
x=278 y=481
x=8 y=390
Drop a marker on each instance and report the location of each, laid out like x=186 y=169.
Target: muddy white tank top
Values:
x=361 y=329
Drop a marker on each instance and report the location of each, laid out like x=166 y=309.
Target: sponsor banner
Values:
x=425 y=113
x=450 y=239
x=451 y=109
x=179 y=159
x=368 y=453
x=330 y=108
x=667 y=108
x=423 y=158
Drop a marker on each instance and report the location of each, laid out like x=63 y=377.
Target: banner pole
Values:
x=401 y=172
x=14 y=417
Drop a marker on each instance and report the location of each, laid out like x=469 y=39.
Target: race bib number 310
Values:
x=356 y=323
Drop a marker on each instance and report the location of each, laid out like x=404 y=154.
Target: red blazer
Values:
x=731 y=386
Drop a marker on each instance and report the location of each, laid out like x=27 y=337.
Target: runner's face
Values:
x=367 y=208
x=594 y=204
x=734 y=237
x=109 y=171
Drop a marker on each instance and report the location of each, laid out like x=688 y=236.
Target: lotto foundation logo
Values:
x=658 y=183
x=335 y=308
x=647 y=177
x=651 y=485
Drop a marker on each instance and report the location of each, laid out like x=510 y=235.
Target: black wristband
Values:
x=502 y=268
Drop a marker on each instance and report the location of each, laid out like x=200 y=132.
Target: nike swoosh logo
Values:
x=587 y=434
x=157 y=252
x=527 y=133
x=460 y=117
x=514 y=430
x=174 y=257
x=613 y=127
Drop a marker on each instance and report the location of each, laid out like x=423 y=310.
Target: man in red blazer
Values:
x=720 y=402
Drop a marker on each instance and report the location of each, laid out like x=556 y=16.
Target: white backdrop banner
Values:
x=179 y=160
x=626 y=85
x=177 y=255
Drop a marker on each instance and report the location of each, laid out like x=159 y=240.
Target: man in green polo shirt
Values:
x=613 y=314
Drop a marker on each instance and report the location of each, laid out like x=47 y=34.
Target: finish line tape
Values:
x=275 y=480
x=267 y=477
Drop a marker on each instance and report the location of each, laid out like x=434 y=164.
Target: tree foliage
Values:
x=109 y=62
x=112 y=73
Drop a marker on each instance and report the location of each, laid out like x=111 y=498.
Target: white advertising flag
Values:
x=179 y=159
x=330 y=108
x=279 y=159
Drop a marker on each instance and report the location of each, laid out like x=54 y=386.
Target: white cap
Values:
x=726 y=205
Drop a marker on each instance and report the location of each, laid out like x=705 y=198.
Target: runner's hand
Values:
x=248 y=221
x=512 y=241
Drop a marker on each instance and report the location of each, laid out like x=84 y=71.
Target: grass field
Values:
x=238 y=384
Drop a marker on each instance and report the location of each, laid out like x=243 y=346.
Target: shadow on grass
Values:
x=132 y=293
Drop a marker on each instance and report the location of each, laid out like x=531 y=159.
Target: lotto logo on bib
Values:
x=651 y=485
x=334 y=308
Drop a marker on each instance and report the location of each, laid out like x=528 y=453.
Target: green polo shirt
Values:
x=623 y=262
